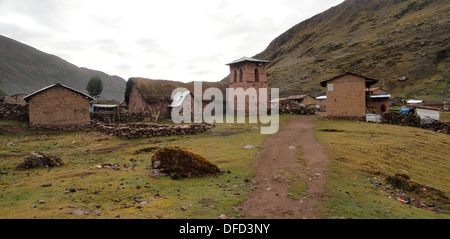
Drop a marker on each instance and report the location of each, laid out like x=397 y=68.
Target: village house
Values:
x=321 y=103
x=14 y=99
x=305 y=100
x=346 y=95
x=153 y=98
x=378 y=101
x=59 y=107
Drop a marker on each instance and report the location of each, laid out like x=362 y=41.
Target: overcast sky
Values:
x=171 y=39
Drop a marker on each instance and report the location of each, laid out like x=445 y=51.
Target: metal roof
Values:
x=243 y=59
x=104 y=106
x=414 y=101
x=28 y=97
x=323 y=97
x=296 y=97
x=380 y=96
x=368 y=80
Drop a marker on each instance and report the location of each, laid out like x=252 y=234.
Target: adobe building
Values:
x=378 y=102
x=248 y=73
x=153 y=98
x=59 y=107
x=305 y=100
x=346 y=95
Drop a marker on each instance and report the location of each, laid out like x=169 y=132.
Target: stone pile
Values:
x=41 y=160
x=141 y=130
x=14 y=112
x=413 y=120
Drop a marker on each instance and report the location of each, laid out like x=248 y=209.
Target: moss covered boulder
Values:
x=41 y=160
x=179 y=163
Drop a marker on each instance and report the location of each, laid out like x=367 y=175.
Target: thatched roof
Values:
x=153 y=91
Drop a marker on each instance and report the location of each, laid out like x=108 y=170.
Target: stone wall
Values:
x=13 y=112
x=133 y=131
x=413 y=120
x=114 y=117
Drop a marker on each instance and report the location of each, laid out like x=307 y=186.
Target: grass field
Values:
x=363 y=155
x=129 y=192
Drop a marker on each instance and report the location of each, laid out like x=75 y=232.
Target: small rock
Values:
x=117 y=216
x=46 y=185
x=223 y=217
x=268 y=189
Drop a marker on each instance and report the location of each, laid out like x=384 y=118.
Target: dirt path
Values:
x=277 y=165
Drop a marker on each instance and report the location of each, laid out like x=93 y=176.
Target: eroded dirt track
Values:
x=279 y=165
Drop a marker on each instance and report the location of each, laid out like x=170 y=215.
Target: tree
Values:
x=95 y=86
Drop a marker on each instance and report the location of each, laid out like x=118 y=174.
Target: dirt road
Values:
x=278 y=166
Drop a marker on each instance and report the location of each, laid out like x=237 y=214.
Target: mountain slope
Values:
x=383 y=39
x=24 y=69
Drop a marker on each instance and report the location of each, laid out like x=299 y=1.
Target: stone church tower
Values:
x=248 y=73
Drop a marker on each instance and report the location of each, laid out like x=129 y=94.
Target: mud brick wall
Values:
x=13 y=112
x=348 y=98
x=133 y=131
x=411 y=120
x=152 y=111
x=59 y=108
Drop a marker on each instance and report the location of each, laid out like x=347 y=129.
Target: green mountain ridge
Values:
x=386 y=40
x=24 y=69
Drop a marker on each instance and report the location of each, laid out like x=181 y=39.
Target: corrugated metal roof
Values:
x=324 y=97
x=414 y=101
x=380 y=96
x=104 y=106
x=28 y=97
x=296 y=97
x=243 y=59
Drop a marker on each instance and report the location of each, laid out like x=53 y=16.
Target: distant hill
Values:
x=383 y=39
x=24 y=69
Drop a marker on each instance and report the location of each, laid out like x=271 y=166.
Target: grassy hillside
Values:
x=383 y=39
x=363 y=157
x=24 y=69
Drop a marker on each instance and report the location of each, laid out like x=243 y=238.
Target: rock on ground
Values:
x=41 y=159
x=179 y=163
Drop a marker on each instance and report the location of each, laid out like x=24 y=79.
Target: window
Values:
x=235 y=77
x=256 y=75
x=330 y=87
x=241 y=75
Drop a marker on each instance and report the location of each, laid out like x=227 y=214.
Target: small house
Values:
x=346 y=95
x=305 y=99
x=153 y=98
x=378 y=101
x=428 y=114
x=59 y=107
x=321 y=103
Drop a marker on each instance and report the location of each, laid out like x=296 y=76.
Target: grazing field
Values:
x=376 y=169
x=81 y=189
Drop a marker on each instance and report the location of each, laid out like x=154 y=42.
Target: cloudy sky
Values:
x=170 y=39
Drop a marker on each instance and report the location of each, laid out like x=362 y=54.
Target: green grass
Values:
x=445 y=116
x=116 y=192
x=363 y=152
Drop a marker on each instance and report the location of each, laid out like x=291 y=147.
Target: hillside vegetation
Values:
x=383 y=39
x=24 y=69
